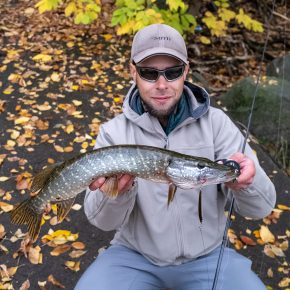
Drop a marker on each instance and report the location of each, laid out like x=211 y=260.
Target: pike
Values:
x=61 y=183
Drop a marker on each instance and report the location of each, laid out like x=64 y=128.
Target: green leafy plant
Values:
x=130 y=16
x=84 y=11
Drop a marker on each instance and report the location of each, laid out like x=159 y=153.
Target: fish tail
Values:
x=26 y=214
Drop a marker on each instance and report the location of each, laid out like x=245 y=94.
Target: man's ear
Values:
x=133 y=72
x=186 y=70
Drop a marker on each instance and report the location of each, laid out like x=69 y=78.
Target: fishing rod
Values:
x=232 y=201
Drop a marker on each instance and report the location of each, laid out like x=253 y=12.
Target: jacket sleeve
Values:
x=103 y=212
x=258 y=199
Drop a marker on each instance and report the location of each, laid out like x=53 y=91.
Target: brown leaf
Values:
x=78 y=245
x=25 y=285
x=60 y=250
x=34 y=255
x=77 y=253
x=55 y=282
x=248 y=241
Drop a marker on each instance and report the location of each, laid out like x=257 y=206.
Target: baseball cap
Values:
x=158 y=39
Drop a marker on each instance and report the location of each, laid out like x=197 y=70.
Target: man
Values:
x=158 y=246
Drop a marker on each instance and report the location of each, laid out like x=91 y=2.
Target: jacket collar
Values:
x=197 y=99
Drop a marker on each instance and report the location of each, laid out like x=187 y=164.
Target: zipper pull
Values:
x=166 y=143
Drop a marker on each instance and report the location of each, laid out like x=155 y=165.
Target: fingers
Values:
x=125 y=182
x=247 y=169
x=97 y=183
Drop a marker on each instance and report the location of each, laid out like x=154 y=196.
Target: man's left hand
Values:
x=248 y=171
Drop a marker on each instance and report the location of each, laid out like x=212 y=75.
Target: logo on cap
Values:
x=161 y=38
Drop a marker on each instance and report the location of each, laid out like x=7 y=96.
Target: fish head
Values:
x=200 y=172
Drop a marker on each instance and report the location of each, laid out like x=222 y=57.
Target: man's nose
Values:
x=161 y=83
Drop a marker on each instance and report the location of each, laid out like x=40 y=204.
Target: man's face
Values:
x=160 y=97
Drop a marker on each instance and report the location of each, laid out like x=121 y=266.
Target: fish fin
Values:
x=200 y=207
x=171 y=193
x=26 y=214
x=41 y=177
x=63 y=207
x=110 y=187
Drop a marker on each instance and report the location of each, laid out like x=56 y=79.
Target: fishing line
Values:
x=282 y=89
x=232 y=201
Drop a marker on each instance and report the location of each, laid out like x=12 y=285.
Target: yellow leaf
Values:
x=69 y=128
x=283 y=207
x=72 y=265
x=42 y=57
x=266 y=235
x=226 y=14
x=70 y=44
x=3 y=178
x=8 y=90
x=85 y=145
x=75 y=87
x=21 y=120
x=107 y=36
x=204 y=40
x=70 y=8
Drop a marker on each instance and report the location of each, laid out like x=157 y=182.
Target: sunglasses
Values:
x=152 y=74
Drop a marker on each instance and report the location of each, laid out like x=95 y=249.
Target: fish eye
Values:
x=200 y=165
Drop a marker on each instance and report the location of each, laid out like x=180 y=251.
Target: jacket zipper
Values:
x=177 y=215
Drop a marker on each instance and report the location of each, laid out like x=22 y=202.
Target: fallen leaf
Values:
x=284 y=282
x=6 y=207
x=21 y=120
x=270 y=273
x=78 y=245
x=55 y=282
x=266 y=235
x=76 y=206
x=72 y=265
x=60 y=250
x=76 y=254
x=248 y=241
x=25 y=285
x=283 y=207
x=34 y=255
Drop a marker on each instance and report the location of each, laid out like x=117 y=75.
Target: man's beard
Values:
x=161 y=113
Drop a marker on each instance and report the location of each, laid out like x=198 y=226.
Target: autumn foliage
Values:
x=130 y=16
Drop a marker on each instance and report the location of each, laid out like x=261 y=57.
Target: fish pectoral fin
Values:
x=25 y=214
x=110 y=187
x=63 y=207
x=171 y=193
x=40 y=179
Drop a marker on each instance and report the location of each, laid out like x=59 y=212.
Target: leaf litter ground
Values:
x=58 y=84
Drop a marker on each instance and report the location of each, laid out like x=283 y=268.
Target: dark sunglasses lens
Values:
x=174 y=73
x=148 y=74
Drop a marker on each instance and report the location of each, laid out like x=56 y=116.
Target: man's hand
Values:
x=248 y=171
x=125 y=182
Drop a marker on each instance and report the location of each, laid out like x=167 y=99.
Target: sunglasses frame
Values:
x=160 y=72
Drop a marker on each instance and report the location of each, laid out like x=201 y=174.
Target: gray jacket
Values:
x=173 y=235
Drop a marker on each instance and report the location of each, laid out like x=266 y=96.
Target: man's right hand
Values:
x=125 y=183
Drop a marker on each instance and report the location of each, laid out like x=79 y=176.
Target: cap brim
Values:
x=159 y=51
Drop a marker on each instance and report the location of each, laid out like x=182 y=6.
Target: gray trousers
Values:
x=120 y=268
